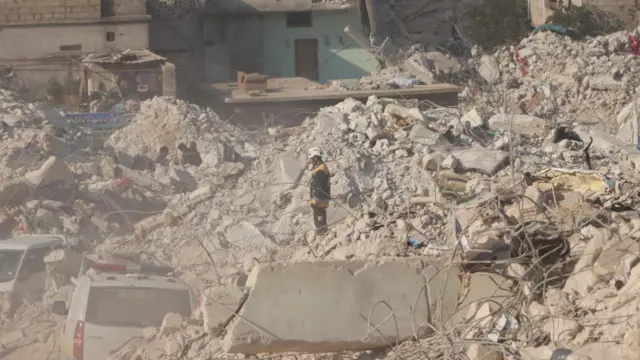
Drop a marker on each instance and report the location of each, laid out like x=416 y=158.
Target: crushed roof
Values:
x=124 y=57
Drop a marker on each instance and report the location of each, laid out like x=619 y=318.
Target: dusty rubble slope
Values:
x=565 y=238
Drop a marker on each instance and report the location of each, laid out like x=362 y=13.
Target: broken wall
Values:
x=625 y=10
x=426 y=22
x=540 y=11
x=338 y=56
x=175 y=32
x=263 y=43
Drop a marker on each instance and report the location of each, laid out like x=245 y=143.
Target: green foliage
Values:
x=498 y=22
x=586 y=20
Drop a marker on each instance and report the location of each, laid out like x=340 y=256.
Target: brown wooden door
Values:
x=306 y=58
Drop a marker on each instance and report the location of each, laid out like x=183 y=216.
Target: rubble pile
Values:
x=488 y=232
x=398 y=168
x=561 y=79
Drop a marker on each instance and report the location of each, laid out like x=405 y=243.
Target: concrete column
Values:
x=169 y=87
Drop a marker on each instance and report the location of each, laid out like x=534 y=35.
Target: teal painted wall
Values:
x=266 y=45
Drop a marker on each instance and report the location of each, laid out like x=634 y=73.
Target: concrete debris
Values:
x=170 y=324
x=54 y=170
x=218 y=306
x=307 y=292
x=509 y=221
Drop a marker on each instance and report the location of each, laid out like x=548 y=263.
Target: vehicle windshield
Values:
x=135 y=307
x=9 y=262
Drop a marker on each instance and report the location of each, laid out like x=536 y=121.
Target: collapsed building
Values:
x=505 y=227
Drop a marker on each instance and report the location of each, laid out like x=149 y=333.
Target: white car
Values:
x=113 y=305
x=23 y=273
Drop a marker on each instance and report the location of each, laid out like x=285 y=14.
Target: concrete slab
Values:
x=477 y=158
x=324 y=306
x=480 y=288
x=473 y=118
x=53 y=170
x=489 y=69
x=422 y=135
x=218 y=304
x=244 y=234
x=290 y=170
x=521 y=124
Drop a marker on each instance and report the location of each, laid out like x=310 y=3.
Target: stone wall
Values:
x=30 y=11
x=61 y=11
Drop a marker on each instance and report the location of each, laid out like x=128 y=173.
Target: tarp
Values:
x=586 y=182
x=99 y=122
x=553 y=28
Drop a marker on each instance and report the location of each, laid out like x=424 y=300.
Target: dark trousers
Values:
x=319 y=219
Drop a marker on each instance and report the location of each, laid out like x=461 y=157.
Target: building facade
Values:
x=625 y=10
x=290 y=40
x=42 y=34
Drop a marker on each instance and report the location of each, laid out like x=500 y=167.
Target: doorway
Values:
x=306 y=58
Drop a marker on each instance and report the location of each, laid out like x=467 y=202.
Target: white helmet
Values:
x=315 y=151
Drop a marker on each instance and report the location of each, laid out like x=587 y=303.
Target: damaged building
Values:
x=43 y=37
x=625 y=10
x=283 y=39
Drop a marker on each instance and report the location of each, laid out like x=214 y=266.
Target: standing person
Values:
x=320 y=190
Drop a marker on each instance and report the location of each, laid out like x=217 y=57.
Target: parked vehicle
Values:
x=23 y=273
x=114 y=304
x=22 y=267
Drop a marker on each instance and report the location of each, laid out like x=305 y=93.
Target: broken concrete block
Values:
x=628 y=119
x=290 y=170
x=433 y=161
x=406 y=113
x=422 y=135
x=605 y=82
x=171 y=323
x=604 y=141
x=374 y=133
x=330 y=306
x=218 y=306
x=244 y=234
x=358 y=123
x=483 y=288
x=581 y=280
x=52 y=171
x=227 y=154
x=474 y=119
x=477 y=158
x=520 y=124
x=488 y=69
x=149 y=333
x=451 y=163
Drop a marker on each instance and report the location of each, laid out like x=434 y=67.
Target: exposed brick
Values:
x=25 y=17
x=12 y=17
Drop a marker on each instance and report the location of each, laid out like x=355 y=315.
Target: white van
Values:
x=22 y=267
x=109 y=309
